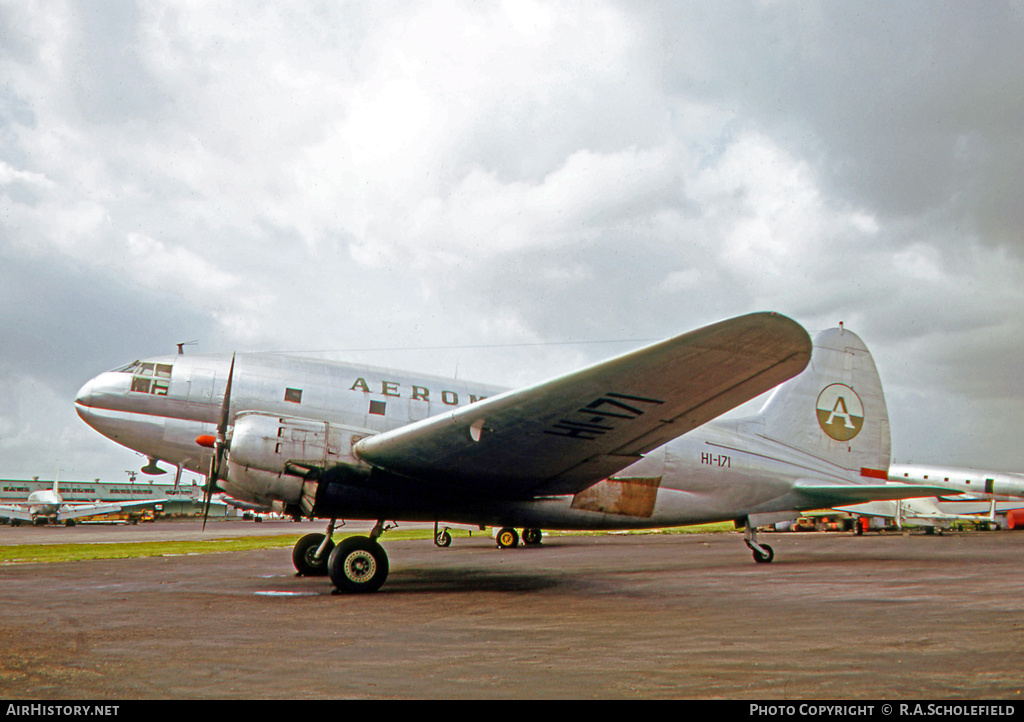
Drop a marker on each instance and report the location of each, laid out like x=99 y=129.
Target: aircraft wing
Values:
x=562 y=435
x=8 y=511
x=74 y=511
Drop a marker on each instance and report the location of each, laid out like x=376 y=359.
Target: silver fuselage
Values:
x=723 y=470
x=44 y=502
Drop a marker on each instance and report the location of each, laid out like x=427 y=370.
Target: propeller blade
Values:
x=220 y=445
x=209 y=489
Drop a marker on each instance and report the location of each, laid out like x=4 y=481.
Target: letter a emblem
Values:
x=840 y=412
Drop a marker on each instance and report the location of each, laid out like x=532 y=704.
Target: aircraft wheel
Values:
x=531 y=537
x=358 y=564
x=443 y=539
x=507 y=538
x=303 y=556
x=765 y=558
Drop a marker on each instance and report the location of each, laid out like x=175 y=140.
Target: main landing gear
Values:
x=359 y=563
x=311 y=552
x=763 y=554
x=356 y=564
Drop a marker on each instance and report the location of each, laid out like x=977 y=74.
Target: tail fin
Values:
x=835 y=410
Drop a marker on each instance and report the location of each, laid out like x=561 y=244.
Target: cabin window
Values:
x=378 y=407
x=293 y=395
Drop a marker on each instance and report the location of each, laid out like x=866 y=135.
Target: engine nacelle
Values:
x=270 y=456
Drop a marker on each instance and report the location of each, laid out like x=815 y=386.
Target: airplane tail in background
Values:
x=835 y=410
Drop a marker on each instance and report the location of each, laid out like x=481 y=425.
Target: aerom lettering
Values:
x=394 y=389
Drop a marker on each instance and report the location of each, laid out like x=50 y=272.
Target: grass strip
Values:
x=55 y=553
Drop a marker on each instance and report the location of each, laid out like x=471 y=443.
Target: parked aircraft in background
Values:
x=47 y=505
x=962 y=485
x=976 y=482
x=593 y=449
x=918 y=512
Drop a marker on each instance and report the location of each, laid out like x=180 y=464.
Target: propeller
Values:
x=219 y=444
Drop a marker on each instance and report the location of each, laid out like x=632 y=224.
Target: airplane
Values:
x=47 y=505
x=962 y=484
x=631 y=442
x=1003 y=486
x=917 y=512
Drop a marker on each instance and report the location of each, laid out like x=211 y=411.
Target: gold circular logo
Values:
x=840 y=412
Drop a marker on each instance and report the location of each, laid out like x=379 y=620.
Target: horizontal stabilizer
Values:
x=832 y=495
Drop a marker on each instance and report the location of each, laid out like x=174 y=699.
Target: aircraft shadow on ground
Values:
x=415 y=581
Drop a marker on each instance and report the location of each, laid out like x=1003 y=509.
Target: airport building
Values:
x=186 y=500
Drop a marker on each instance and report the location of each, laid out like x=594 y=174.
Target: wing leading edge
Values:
x=562 y=435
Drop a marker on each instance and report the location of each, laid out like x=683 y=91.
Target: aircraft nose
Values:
x=84 y=396
x=83 y=400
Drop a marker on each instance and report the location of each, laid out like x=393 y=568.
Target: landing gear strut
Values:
x=763 y=554
x=442 y=538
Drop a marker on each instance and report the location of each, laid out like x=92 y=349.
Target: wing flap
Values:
x=563 y=435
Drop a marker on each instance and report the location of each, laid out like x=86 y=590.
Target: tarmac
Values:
x=835 y=617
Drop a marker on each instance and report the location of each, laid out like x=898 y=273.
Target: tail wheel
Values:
x=358 y=564
x=304 y=556
x=507 y=538
x=766 y=557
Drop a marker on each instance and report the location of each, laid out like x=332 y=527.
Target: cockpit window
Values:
x=127 y=369
x=150 y=378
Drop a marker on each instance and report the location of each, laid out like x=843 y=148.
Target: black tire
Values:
x=443 y=539
x=358 y=565
x=767 y=557
x=532 y=537
x=507 y=538
x=302 y=556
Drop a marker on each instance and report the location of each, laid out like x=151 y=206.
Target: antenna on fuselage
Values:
x=181 y=350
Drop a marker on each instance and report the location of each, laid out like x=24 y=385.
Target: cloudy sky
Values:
x=493 y=188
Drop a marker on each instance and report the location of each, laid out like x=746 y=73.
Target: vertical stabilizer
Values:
x=835 y=410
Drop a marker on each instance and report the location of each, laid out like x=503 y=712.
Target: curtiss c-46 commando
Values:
x=626 y=443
